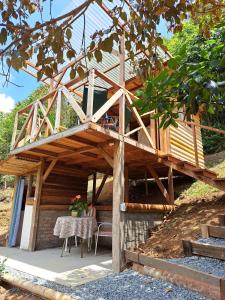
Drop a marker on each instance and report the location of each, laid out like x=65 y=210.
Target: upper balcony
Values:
x=78 y=122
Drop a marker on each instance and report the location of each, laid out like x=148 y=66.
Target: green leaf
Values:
x=98 y=55
x=68 y=33
x=81 y=72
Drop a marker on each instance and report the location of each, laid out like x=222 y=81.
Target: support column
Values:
x=36 y=206
x=94 y=188
x=118 y=217
x=170 y=185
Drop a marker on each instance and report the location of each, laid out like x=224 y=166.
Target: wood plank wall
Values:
x=59 y=189
x=182 y=145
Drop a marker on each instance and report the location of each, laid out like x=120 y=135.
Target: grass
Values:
x=200 y=189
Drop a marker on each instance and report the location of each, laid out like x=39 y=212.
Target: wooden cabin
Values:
x=89 y=126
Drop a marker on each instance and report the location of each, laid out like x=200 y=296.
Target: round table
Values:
x=68 y=226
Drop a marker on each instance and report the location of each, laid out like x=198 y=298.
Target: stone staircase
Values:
x=202 y=269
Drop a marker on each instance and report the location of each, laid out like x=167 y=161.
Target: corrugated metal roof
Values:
x=97 y=19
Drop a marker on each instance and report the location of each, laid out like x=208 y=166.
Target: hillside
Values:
x=198 y=204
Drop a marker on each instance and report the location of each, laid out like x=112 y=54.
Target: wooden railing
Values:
x=43 y=117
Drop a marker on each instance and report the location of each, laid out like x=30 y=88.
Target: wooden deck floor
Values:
x=85 y=148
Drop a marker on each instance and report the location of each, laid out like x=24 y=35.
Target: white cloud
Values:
x=7 y=103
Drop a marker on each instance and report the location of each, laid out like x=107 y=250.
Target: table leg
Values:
x=66 y=245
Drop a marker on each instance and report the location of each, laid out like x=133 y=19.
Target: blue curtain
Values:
x=15 y=221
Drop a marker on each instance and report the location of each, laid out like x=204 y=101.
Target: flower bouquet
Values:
x=78 y=206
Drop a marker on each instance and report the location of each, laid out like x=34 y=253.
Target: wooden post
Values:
x=122 y=83
x=146 y=185
x=36 y=206
x=126 y=178
x=187 y=247
x=195 y=145
x=29 y=186
x=34 y=123
x=14 y=131
x=58 y=111
x=118 y=198
x=170 y=185
x=94 y=187
x=90 y=100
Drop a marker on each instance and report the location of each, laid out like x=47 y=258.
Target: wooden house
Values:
x=65 y=137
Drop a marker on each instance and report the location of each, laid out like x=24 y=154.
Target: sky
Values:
x=10 y=93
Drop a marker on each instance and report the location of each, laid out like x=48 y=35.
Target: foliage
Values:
x=194 y=78
x=200 y=189
x=78 y=205
x=184 y=37
x=7 y=120
x=2 y=267
x=6 y=128
x=24 y=33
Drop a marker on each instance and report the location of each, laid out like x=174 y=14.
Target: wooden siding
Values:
x=59 y=189
x=182 y=144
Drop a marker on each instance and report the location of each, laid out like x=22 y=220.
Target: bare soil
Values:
x=5 y=207
x=184 y=223
x=200 y=204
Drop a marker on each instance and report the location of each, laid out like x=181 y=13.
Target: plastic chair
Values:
x=104 y=230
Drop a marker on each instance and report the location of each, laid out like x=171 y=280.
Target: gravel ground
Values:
x=205 y=264
x=127 y=285
x=212 y=241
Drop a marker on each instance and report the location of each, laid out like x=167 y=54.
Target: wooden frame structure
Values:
x=44 y=147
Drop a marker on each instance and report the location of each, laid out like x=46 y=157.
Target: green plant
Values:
x=78 y=205
x=2 y=266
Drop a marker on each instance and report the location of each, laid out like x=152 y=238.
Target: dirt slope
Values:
x=197 y=205
x=5 y=206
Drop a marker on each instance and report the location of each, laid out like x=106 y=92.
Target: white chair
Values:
x=104 y=230
x=91 y=212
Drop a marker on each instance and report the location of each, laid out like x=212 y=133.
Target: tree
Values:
x=50 y=40
x=7 y=120
x=195 y=78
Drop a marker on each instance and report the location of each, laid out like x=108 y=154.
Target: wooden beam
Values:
x=44 y=112
x=143 y=207
x=122 y=100
x=146 y=185
x=107 y=106
x=14 y=134
x=101 y=187
x=134 y=109
x=29 y=186
x=58 y=111
x=94 y=187
x=126 y=182
x=76 y=107
x=35 y=213
x=170 y=184
x=90 y=98
x=42 y=122
x=159 y=183
x=49 y=169
x=107 y=157
x=24 y=126
x=118 y=259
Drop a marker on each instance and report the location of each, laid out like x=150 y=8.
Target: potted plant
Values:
x=78 y=206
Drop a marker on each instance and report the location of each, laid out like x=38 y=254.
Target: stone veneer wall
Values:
x=47 y=220
x=137 y=226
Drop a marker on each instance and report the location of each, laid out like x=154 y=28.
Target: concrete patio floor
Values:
x=69 y=270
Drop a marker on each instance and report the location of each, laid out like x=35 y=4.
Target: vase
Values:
x=74 y=213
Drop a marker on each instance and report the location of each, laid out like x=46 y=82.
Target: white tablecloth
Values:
x=68 y=226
